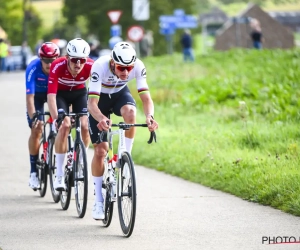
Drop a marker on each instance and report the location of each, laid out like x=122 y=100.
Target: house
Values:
x=290 y=19
x=236 y=31
x=213 y=20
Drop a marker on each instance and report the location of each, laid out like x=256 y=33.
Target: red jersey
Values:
x=61 y=79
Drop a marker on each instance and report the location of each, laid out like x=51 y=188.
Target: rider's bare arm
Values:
x=94 y=110
x=30 y=104
x=51 y=99
x=147 y=104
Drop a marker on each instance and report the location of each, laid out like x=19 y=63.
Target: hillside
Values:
x=51 y=9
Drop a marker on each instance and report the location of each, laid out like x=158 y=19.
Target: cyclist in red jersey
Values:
x=66 y=87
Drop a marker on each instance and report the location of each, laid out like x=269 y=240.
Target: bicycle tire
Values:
x=106 y=193
x=52 y=171
x=42 y=171
x=80 y=175
x=126 y=194
x=65 y=196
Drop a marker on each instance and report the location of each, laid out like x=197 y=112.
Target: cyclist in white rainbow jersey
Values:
x=108 y=91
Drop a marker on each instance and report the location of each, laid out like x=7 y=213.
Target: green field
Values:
x=228 y=121
x=235 y=8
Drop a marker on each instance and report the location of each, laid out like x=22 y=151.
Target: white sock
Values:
x=129 y=144
x=98 y=188
x=60 y=159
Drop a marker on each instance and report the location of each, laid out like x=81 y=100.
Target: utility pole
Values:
x=25 y=19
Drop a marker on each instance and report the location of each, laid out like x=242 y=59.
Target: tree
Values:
x=11 y=20
x=98 y=22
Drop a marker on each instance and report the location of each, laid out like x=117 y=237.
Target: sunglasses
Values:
x=123 y=68
x=48 y=60
x=77 y=59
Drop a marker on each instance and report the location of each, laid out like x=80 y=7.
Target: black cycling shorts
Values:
x=39 y=100
x=110 y=104
x=76 y=98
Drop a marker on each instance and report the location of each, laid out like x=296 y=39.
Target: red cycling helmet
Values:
x=49 y=50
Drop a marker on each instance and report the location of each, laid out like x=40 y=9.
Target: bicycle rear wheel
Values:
x=80 y=174
x=106 y=193
x=42 y=170
x=65 y=196
x=52 y=171
x=126 y=194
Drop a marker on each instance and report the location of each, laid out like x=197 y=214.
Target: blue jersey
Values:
x=36 y=79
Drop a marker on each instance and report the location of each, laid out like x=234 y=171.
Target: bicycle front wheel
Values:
x=65 y=196
x=42 y=170
x=126 y=194
x=52 y=171
x=80 y=174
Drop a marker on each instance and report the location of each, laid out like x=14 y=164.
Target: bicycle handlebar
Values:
x=75 y=114
x=63 y=114
x=152 y=136
x=38 y=113
x=126 y=126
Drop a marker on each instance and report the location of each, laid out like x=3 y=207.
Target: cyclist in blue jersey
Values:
x=36 y=96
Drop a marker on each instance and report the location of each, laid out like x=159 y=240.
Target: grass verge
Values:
x=223 y=138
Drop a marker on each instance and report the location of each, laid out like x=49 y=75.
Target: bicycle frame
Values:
x=121 y=146
x=77 y=128
x=45 y=140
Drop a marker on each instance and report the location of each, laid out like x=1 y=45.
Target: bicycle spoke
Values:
x=80 y=179
x=52 y=171
x=127 y=199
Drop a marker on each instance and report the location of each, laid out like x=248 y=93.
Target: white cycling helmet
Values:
x=78 y=48
x=123 y=54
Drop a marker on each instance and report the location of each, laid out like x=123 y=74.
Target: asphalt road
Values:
x=171 y=213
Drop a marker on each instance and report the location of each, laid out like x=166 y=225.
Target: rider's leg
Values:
x=100 y=151
x=128 y=113
x=61 y=145
x=85 y=137
x=34 y=144
x=85 y=130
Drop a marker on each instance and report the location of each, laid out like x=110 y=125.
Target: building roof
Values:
x=286 y=17
x=215 y=16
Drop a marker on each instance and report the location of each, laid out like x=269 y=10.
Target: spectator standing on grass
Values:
x=3 y=54
x=256 y=34
x=187 y=46
x=147 y=44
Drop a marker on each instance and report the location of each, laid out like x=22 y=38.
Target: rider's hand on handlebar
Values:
x=152 y=124
x=54 y=126
x=34 y=121
x=104 y=124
